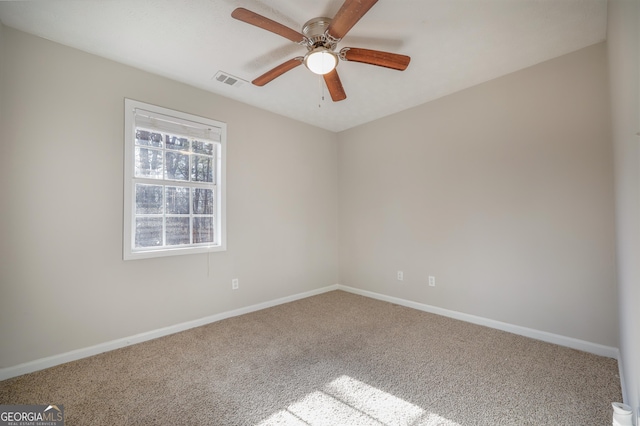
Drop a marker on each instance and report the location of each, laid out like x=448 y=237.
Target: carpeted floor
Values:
x=332 y=359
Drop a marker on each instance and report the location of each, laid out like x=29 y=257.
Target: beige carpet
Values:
x=332 y=359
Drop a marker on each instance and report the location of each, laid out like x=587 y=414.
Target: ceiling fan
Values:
x=321 y=36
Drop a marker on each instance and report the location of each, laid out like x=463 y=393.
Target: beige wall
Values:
x=1 y=67
x=624 y=71
x=64 y=283
x=503 y=192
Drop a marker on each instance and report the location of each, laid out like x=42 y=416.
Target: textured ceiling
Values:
x=454 y=44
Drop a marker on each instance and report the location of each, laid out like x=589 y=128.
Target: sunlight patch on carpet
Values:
x=382 y=406
x=347 y=401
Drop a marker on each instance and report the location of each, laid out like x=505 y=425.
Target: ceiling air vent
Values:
x=226 y=78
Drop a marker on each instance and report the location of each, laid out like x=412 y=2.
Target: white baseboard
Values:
x=625 y=399
x=41 y=364
x=557 y=339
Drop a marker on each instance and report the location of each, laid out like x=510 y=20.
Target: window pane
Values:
x=177 y=166
x=174 y=195
x=203 y=230
x=201 y=169
x=148 y=232
x=203 y=147
x=146 y=138
x=148 y=199
x=202 y=201
x=177 y=231
x=179 y=144
x=148 y=163
x=177 y=200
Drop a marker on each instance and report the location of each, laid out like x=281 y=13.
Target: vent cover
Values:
x=226 y=78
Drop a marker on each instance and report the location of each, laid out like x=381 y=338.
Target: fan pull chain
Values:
x=321 y=90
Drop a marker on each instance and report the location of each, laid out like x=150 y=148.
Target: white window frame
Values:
x=188 y=121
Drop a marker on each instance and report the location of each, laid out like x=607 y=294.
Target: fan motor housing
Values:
x=315 y=31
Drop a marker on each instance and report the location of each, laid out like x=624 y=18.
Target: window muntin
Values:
x=174 y=185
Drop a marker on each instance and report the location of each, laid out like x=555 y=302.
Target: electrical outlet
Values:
x=234 y=284
x=432 y=281
x=400 y=275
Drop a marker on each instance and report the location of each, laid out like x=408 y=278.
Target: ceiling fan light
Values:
x=321 y=60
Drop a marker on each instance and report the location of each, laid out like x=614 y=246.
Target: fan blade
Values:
x=265 y=23
x=350 y=13
x=335 y=86
x=375 y=57
x=278 y=71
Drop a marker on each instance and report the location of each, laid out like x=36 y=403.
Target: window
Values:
x=174 y=183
